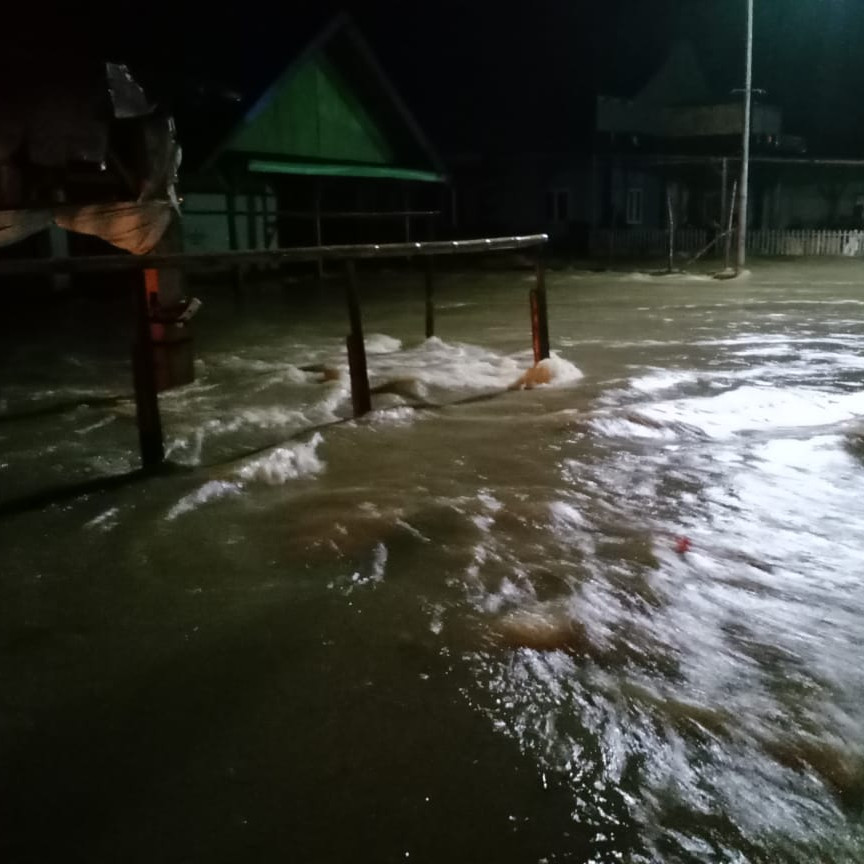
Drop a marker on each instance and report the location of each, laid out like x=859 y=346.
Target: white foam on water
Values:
x=777 y=366
x=629 y=427
x=844 y=360
x=447 y=366
x=682 y=276
x=238 y=363
x=67 y=394
x=284 y=463
x=210 y=491
x=563 y=373
x=188 y=391
x=753 y=408
x=189 y=441
x=265 y=417
x=393 y=413
x=104 y=521
x=381 y=343
x=105 y=421
x=566 y=516
x=783 y=349
x=662 y=379
x=760 y=339
x=371 y=577
x=274 y=468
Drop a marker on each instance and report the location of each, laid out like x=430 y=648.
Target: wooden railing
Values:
x=146 y=394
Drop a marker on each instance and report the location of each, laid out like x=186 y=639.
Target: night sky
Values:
x=485 y=75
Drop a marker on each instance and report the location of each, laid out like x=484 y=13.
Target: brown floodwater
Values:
x=616 y=618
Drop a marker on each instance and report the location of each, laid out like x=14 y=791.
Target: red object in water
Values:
x=682 y=545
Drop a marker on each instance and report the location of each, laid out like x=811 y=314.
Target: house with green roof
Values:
x=323 y=141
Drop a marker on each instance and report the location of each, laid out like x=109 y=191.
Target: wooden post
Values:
x=539 y=319
x=430 y=302
x=144 y=374
x=361 y=398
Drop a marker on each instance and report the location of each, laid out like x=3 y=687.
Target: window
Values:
x=634 y=206
x=563 y=208
x=558 y=205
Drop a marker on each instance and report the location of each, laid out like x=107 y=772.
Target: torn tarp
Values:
x=135 y=226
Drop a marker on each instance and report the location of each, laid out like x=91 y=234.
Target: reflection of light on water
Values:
x=740 y=630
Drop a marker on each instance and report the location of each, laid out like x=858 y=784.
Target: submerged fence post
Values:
x=539 y=319
x=670 y=213
x=144 y=375
x=430 y=302
x=234 y=245
x=724 y=192
x=361 y=398
x=731 y=219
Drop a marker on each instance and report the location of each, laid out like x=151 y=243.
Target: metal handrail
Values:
x=187 y=260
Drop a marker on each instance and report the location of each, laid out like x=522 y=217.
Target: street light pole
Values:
x=745 y=155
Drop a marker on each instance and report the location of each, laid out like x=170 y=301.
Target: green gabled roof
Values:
x=313 y=114
x=333 y=111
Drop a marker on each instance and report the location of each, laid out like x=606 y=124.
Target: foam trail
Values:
x=284 y=463
x=274 y=468
x=381 y=343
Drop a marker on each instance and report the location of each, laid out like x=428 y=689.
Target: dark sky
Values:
x=514 y=75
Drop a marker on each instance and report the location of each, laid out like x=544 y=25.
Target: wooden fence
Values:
x=688 y=241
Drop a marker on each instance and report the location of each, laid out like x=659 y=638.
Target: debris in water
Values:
x=683 y=545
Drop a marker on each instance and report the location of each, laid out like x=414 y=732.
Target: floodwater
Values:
x=613 y=619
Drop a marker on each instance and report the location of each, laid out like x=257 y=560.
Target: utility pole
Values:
x=743 y=186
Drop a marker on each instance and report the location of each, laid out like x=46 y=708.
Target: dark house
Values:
x=670 y=142
x=664 y=141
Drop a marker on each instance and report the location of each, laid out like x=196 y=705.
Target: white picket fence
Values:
x=689 y=241
x=846 y=243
